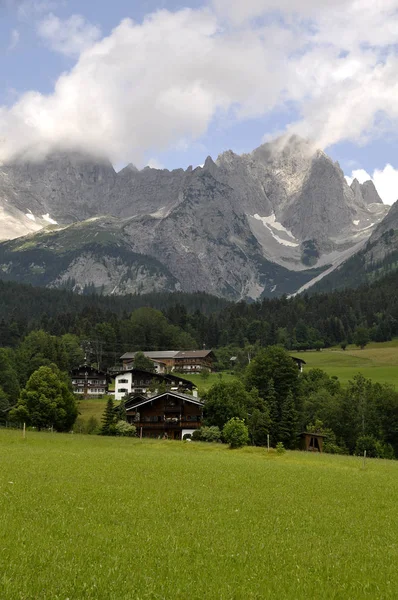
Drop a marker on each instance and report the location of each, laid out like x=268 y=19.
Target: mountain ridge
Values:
x=239 y=227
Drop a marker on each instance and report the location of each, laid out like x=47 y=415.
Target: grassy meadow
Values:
x=379 y=362
x=86 y=517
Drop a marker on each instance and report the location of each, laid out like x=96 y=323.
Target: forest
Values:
x=109 y=326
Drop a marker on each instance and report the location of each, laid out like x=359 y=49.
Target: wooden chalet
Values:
x=89 y=382
x=170 y=415
x=137 y=381
x=194 y=361
x=163 y=359
x=184 y=361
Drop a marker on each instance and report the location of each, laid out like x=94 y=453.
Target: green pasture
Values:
x=379 y=362
x=87 y=517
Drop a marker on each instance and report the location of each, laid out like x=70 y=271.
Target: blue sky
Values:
x=171 y=87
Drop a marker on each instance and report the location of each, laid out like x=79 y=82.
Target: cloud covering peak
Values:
x=152 y=85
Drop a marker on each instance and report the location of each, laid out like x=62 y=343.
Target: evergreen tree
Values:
x=288 y=422
x=108 y=418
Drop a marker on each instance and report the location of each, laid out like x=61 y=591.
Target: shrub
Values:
x=210 y=434
x=124 y=429
x=235 y=433
x=280 y=448
x=196 y=436
x=368 y=443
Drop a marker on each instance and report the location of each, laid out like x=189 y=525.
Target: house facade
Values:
x=183 y=361
x=89 y=382
x=194 y=361
x=136 y=381
x=170 y=415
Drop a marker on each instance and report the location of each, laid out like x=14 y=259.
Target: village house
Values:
x=137 y=381
x=171 y=415
x=89 y=382
x=184 y=361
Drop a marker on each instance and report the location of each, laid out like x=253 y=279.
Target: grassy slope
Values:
x=115 y=519
x=379 y=362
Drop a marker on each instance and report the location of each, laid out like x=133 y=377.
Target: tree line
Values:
x=107 y=327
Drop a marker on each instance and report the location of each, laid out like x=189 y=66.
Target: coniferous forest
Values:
x=120 y=324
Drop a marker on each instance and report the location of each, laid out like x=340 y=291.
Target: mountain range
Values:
x=275 y=221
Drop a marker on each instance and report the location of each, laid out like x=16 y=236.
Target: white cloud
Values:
x=156 y=84
x=14 y=40
x=155 y=164
x=385 y=180
x=68 y=36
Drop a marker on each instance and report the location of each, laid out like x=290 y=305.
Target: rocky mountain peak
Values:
x=370 y=194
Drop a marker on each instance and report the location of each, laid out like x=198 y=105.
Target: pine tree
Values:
x=288 y=422
x=274 y=411
x=108 y=418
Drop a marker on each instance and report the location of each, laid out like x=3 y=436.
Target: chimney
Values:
x=195 y=393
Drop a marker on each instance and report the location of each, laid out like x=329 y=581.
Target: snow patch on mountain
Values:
x=49 y=219
x=271 y=223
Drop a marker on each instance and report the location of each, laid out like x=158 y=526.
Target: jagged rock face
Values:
x=68 y=186
x=370 y=194
x=365 y=193
x=241 y=226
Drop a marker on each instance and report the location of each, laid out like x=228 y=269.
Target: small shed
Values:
x=312 y=442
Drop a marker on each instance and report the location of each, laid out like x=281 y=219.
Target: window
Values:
x=122 y=390
x=122 y=381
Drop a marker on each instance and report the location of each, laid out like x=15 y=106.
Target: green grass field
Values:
x=86 y=517
x=379 y=362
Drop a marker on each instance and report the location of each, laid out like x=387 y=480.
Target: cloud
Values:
x=68 y=36
x=385 y=180
x=14 y=40
x=154 y=85
x=155 y=164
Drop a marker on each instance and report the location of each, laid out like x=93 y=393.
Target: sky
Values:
x=169 y=82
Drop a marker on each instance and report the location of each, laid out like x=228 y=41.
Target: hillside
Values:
x=378 y=257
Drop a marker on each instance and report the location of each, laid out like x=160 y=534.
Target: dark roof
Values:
x=177 y=395
x=83 y=369
x=194 y=353
x=298 y=360
x=313 y=433
x=159 y=376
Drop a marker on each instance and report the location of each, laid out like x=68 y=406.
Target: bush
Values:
x=235 y=433
x=368 y=443
x=280 y=448
x=210 y=434
x=124 y=429
x=196 y=436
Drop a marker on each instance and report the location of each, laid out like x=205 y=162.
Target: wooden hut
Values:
x=312 y=442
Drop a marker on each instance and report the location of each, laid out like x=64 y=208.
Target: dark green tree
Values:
x=361 y=337
x=46 y=401
x=259 y=425
x=108 y=419
x=235 y=433
x=143 y=363
x=288 y=422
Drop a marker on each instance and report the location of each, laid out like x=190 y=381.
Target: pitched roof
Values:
x=159 y=376
x=194 y=353
x=152 y=354
x=177 y=395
